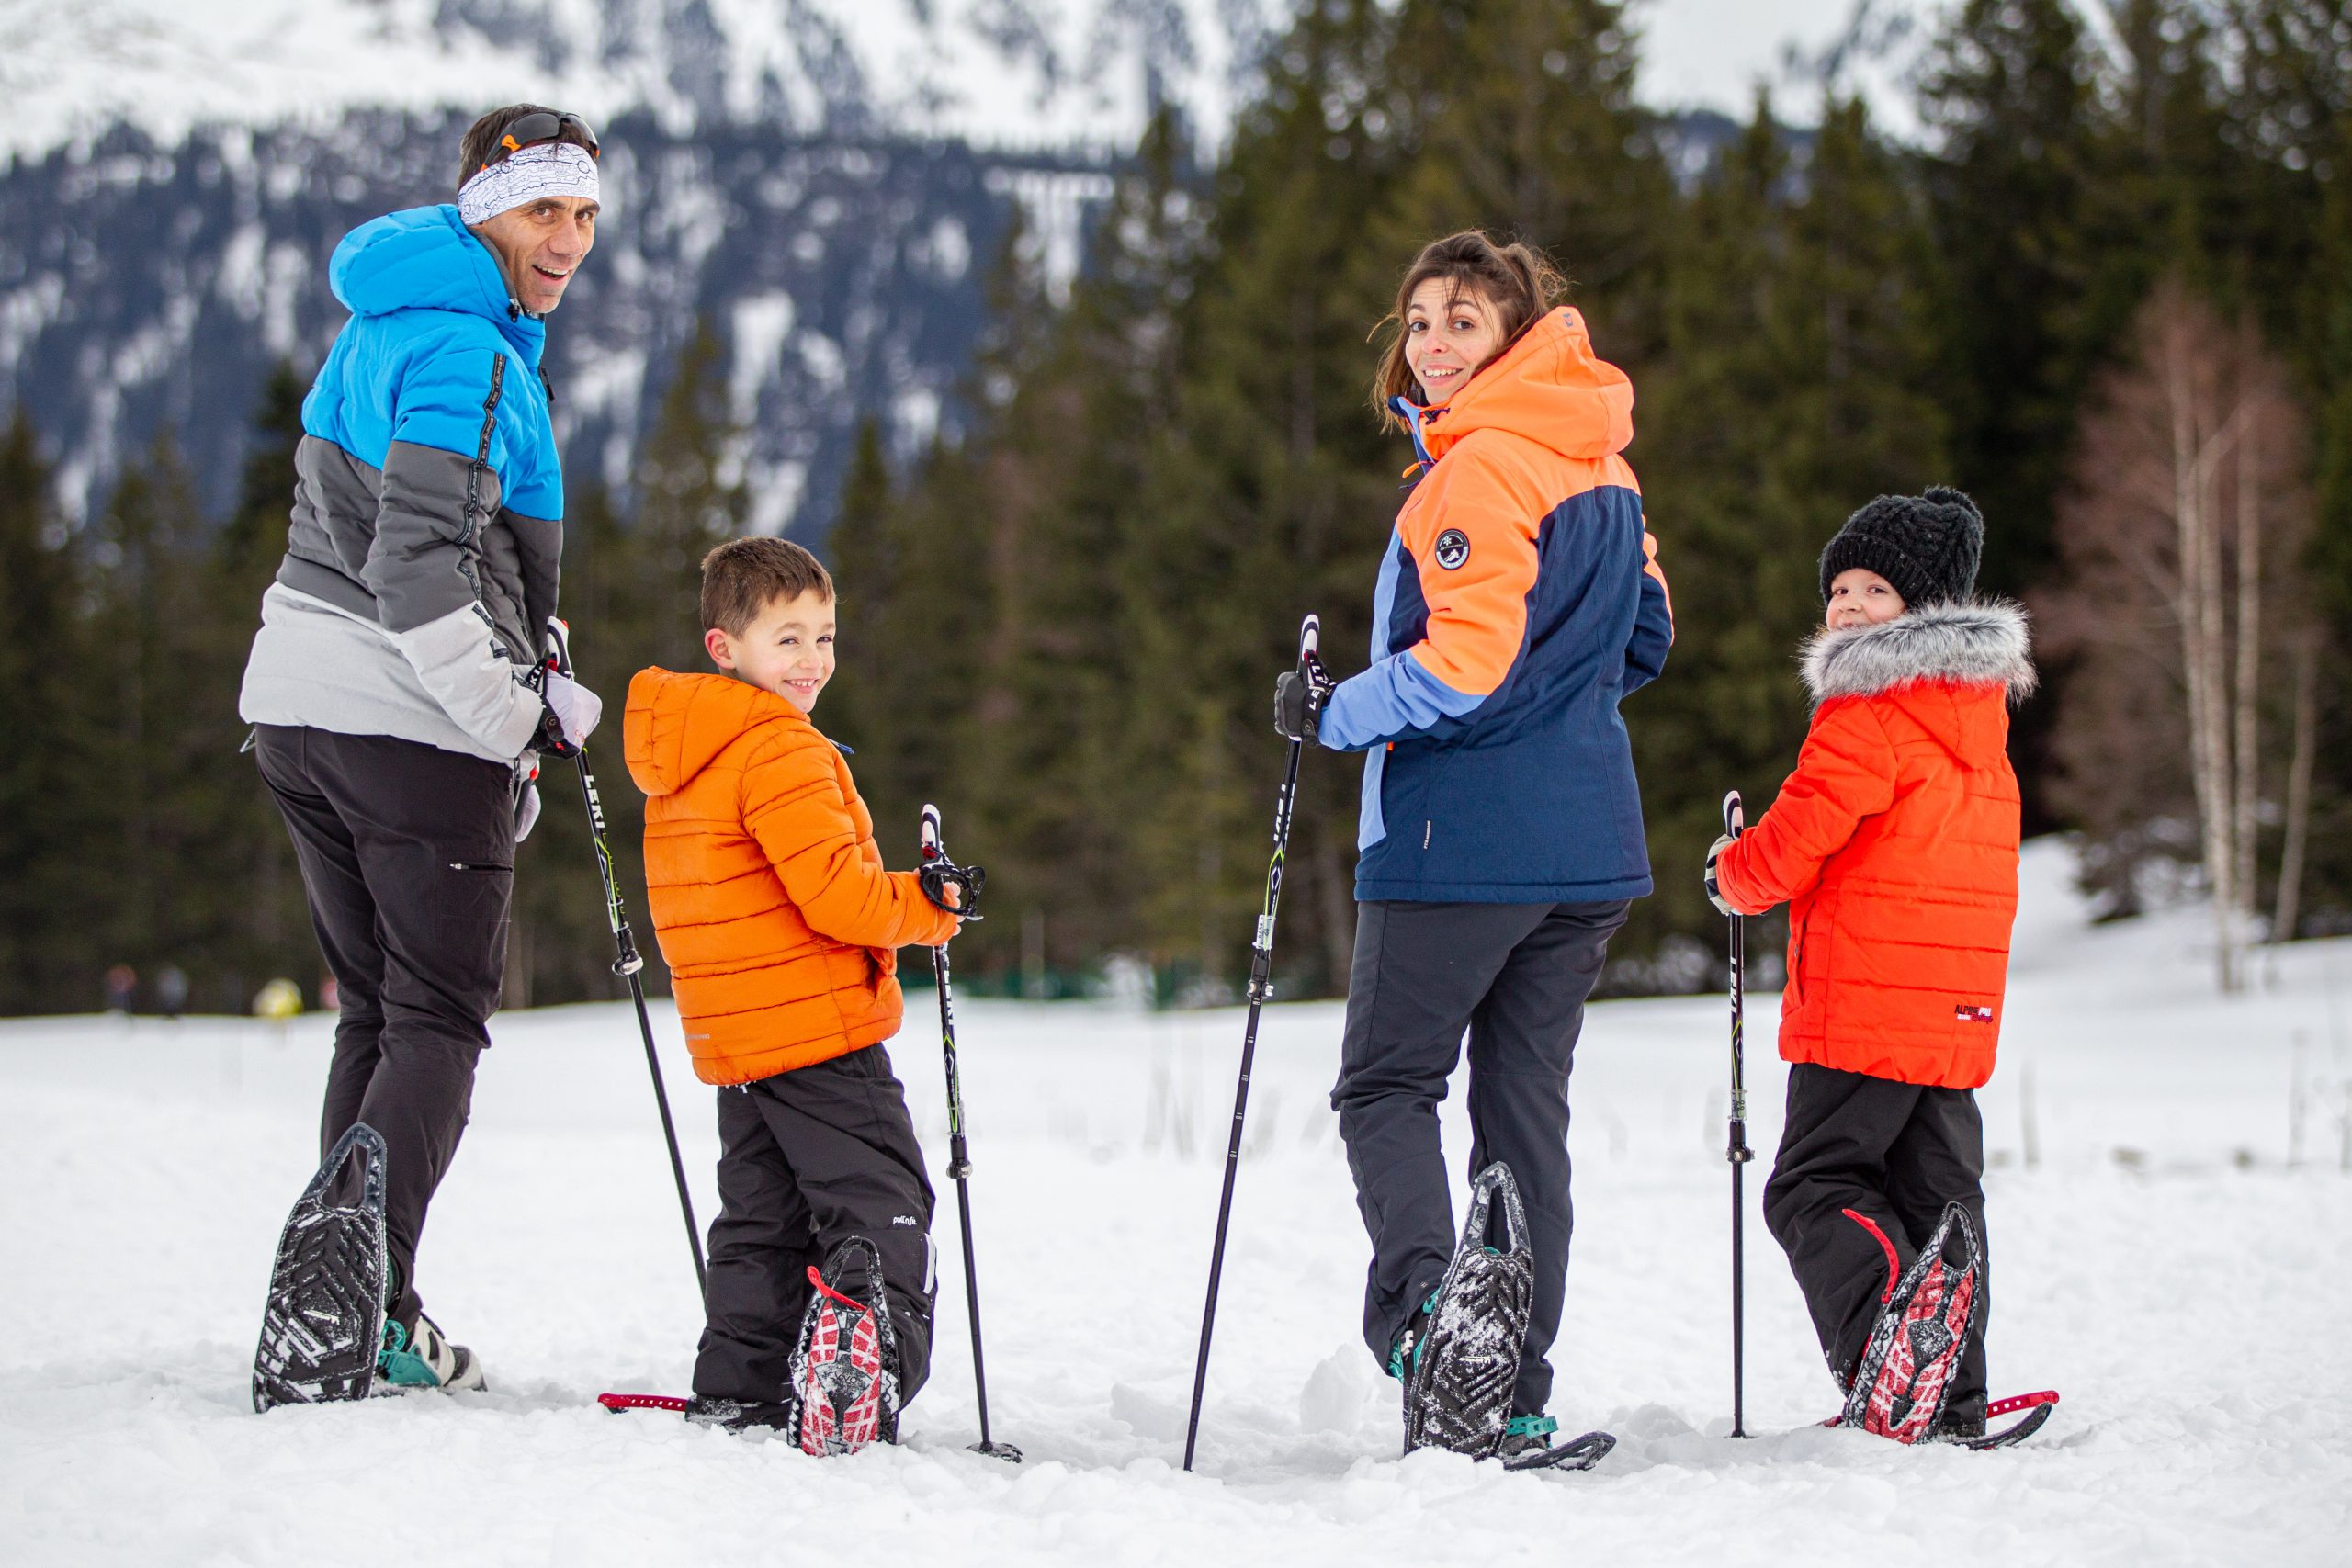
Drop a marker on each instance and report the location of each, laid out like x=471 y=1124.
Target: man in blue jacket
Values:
x=395 y=685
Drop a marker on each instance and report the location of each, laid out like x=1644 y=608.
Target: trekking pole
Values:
x=1261 y=964
x=628 y=960
x=959 y=1160
x=1736 y=1151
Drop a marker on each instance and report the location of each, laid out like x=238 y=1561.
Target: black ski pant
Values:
x=807 y=1159
x=407 y=854
x=1515 y=976
x=1857 y=1148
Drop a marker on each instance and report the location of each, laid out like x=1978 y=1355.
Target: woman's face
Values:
x=1450 y=330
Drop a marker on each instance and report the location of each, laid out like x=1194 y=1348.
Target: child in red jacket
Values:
x=1894 y=844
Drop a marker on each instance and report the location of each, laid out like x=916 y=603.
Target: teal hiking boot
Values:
x=424 y=1359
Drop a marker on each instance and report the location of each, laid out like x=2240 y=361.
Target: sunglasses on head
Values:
x=541 y=125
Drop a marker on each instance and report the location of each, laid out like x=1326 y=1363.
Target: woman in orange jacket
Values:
x=1894 y=844
x=1500 y=839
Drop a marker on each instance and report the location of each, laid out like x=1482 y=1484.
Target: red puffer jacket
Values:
x=1895 y=845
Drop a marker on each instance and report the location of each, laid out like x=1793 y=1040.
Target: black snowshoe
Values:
x=1458 y=1387
x=845 y=1366
x=324 y=1320
x=1904 y=1379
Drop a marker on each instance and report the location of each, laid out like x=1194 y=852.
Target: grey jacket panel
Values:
x=422 y=551
x=317 y=664
x=427 y=556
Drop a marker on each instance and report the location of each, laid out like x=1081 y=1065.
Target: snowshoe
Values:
x=1983 y=1437
x=324 y=1322
x=1905 y=1376
x=1463 y=1367
x=1527 y=1444
x=424 y=1359
x=845 y=1367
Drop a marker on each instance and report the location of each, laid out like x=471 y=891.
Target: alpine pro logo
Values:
x=1453 y=549
x=1967 y=1014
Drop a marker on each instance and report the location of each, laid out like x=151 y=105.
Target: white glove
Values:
x=1715 y=893
x=527 y=812
x=575 y=707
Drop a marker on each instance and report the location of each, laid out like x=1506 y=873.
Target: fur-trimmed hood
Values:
x=1981 y=643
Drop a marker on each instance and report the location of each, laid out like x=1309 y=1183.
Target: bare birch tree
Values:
x=2180 y=535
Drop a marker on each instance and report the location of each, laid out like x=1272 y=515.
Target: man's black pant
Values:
x=1515 y=975
x=807 y=1159
x=408 y=861
x=1894 y=1154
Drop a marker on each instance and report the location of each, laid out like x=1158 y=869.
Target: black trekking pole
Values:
x=1736 y=1151
x=959 y=1160
x=628 y=960
x=1261 y=951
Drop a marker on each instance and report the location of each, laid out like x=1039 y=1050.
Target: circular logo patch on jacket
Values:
x=1452 y=548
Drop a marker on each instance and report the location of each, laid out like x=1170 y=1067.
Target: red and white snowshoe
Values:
x=1904 y=1379
x=845 y=1368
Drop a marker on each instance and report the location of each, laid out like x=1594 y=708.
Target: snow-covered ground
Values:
x=2172 y=1254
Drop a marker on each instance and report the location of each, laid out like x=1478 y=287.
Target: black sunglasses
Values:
x=539 y=126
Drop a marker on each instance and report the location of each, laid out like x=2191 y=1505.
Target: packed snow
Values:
x=2168 y=1198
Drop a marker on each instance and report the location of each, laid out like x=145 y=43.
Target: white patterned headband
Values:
x=542 y=169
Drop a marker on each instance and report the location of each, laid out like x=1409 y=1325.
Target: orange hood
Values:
x=1548 y=387
x=676 y=724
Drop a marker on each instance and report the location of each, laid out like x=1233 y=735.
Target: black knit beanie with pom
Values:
x=1927 y=546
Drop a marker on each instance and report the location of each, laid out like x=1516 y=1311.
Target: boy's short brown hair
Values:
x=744 y=577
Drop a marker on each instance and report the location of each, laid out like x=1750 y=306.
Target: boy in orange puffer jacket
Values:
x=781 y=926
x=1896 y=845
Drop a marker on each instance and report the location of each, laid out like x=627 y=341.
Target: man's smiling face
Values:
x=540 y=245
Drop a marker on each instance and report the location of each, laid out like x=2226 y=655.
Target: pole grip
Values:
x=930 y=841
x=1311 y=635
x=1734 y=815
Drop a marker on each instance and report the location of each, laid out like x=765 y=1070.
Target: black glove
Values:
x=938 y=875
x=1714 y=894
x=1299 y=695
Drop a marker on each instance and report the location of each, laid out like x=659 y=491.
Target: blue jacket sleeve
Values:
x=1653 y=624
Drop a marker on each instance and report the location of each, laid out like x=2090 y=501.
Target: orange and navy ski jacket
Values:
x=1519 y=600
x=1895 y=845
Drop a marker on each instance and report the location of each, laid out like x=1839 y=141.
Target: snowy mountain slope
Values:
x=1021 y=73
x=2159 y=1259
x=144 y=286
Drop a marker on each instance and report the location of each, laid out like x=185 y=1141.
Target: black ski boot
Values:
x=324 y=1318
x=744 y=1415
x=1458 y=1395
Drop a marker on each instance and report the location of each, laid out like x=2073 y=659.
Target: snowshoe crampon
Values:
x=1905 y=1376
x=324 y=1320
x=845 y=1368
x=1458 y=1393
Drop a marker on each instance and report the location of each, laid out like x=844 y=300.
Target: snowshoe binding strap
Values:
x=619 y=1403
x=1465 y=1364
x=323 y=1321
x=1904 y=1379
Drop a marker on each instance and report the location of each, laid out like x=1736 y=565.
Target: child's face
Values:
x=787 y=649
x=1450 y=332
x=1860 y=597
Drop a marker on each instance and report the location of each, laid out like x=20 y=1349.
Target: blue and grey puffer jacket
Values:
x=427 y=521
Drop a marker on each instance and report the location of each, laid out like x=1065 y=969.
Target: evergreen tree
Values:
x=49 y=899
x=1796 y=388
x=2021 y=198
